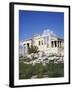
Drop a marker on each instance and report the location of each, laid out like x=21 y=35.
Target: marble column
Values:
x=57 y=43
x=53 y=44
x=60 y=43
x=24 y=49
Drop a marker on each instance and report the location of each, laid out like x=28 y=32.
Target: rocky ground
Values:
x=43 y=58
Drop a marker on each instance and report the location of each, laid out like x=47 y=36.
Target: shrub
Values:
x=33 y=49
x=26 y=71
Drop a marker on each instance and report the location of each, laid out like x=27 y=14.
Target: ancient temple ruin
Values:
x=47 y=42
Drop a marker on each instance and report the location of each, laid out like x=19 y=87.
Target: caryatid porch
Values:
x=56 y=43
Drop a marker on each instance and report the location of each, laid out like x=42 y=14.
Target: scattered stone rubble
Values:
x=43 y=58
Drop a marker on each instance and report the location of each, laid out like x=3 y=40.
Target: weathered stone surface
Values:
x=43 y=58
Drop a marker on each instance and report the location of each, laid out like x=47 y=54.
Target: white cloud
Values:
x=47 y=32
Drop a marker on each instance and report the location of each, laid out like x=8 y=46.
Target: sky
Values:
x=35 y=22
